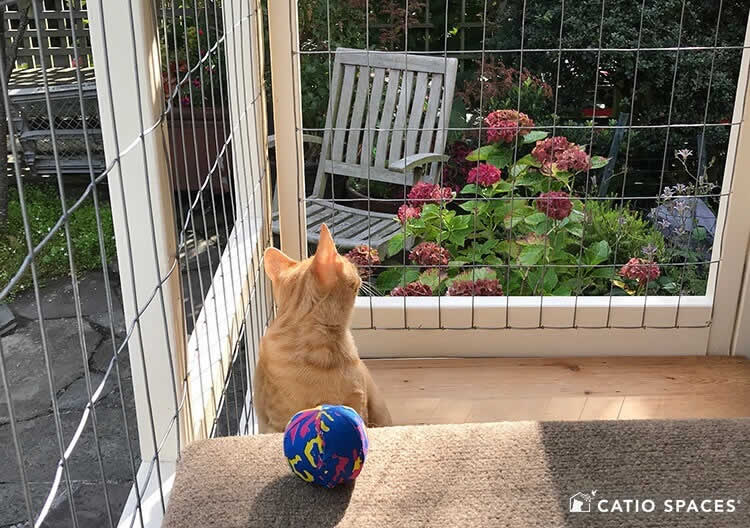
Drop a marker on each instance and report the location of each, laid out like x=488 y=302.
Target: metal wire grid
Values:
x=257 y=307
x=555 y=128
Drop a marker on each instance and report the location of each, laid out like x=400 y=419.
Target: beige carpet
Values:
x=520 y=474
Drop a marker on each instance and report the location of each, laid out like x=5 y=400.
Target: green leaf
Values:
x=603 y=273
x=393 y=277
x=700 y=234
x=471 y=189
x=490 y=245
x=534 y=136
x=500 y=158
x=536 y=218
x=474 y=274
x=530 y=179
x=502 y=186
x=530 y=255
x=529 y=161
x=458 y=238
x=596 y=253
x=471 y=206
x=509 y=247
x=550 y=279
x=562 y=290
x=575 y=229
x=597 y=162
x=431 y=278
x=395 y=244
x=562 y=176
x=481 y=154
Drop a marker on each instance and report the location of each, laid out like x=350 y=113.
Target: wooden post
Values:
x=139 y=179
x=287 y=118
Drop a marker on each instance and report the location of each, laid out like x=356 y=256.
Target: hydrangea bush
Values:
x=518 y=226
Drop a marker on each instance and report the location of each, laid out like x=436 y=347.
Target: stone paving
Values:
x=35 y=421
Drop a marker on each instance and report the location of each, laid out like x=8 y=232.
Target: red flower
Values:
x=484 y=174
x=479 y=287
x=555 y=204
x=364 y=257
x=186 y=101
x=196 y=82
x=414 y=289
x=504 y=125
x=547 y=150
x=641 y=270
x=407 y=211
x=502 y=132
x=573 y=160
x=430 y=254
x=424 y=193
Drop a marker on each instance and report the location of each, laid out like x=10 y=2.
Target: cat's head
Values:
x=324 y=285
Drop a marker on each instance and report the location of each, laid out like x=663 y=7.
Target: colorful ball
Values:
x=326 y=445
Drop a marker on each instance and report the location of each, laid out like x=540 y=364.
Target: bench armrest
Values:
x=416 y=160
x=307 y=138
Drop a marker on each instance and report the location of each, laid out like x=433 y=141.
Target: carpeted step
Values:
x=511 y=474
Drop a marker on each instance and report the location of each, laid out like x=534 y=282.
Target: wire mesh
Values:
x=107 y=391
x=549 y=98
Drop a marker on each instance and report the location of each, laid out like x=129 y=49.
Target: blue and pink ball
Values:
x=326 y=445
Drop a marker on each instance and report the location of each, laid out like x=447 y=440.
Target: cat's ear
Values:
x=275 y=262
x=324 y=263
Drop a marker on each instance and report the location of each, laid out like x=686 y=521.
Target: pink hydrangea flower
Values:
x=504 y=125
x=407 y=211
x=430 y=254
x=641 y=270
x=479 y=287
x=414 y=289
x=484 y=174
x=573 y=160
x=555 y=204
x=547 y=150
x=424 y=193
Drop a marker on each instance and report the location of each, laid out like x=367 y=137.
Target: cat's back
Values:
x=289 y=378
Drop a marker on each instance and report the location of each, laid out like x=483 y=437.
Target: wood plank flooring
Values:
x=428 y=391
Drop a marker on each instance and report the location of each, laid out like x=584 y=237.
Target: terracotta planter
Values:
x=193 y=161
x=360 y=201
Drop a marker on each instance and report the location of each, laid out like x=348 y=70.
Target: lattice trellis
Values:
x=57 y=34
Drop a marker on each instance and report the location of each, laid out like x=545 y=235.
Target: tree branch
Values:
x=12 y=54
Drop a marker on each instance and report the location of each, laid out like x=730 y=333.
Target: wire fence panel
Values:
x=589 y=165
x=135 y=284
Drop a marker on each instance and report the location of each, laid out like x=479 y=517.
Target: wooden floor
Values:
x=429 y=391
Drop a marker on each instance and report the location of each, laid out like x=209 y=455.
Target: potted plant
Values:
x=194 y=80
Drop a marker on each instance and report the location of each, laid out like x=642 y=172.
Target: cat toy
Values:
x=326 y=445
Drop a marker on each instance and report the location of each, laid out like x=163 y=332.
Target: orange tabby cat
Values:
x=308 y=356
